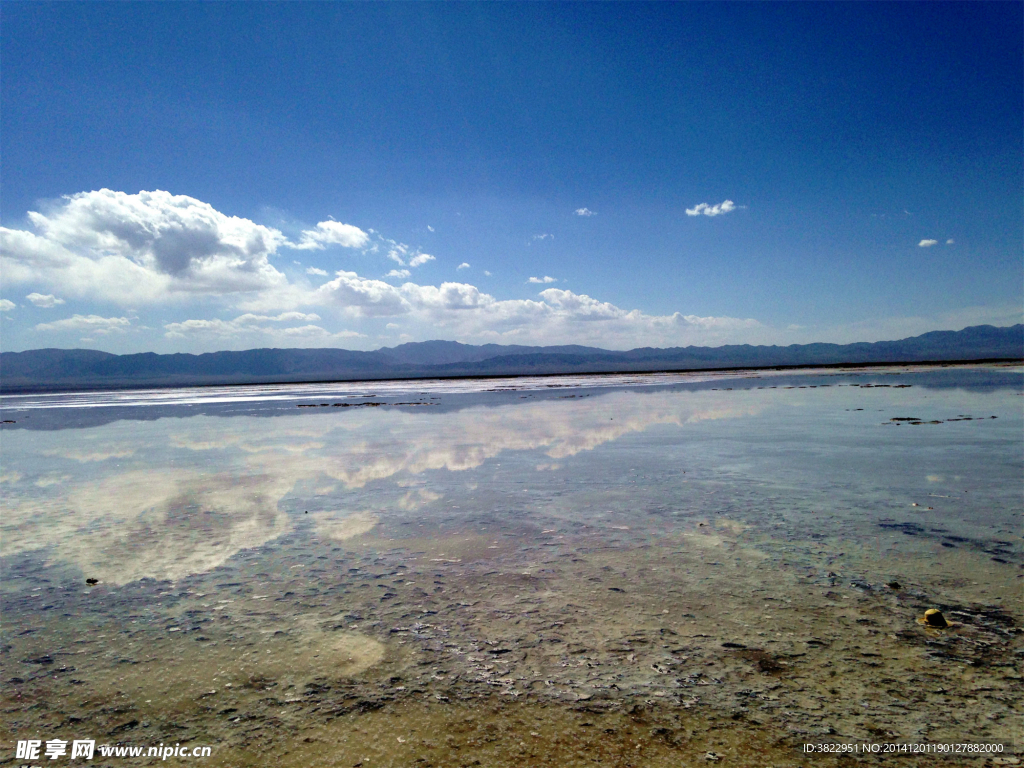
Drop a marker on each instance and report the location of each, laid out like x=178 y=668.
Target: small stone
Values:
x=894 y=585
x=92 y=581
x=933 y=618
x=713 y=757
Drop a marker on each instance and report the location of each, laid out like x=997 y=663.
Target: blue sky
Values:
x=202 y=176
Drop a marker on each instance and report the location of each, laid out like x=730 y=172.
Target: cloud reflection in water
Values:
x=188 y=494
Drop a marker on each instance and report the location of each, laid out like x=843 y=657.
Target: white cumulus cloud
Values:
x=545 y=279
x=360 y=296
x=927 y=243
x=399 y=273
x=332 y=233
x=47 y=300
x=155 y=247
x=247 y=323
x=711 y=210
x=584 y=212
x=463 y=265
x=315 y=332
x=6 y=305
x=316 y=271
x=400 y=253
x=559 y=317
x=146 y=247
x=949 y=242
x=91 y=323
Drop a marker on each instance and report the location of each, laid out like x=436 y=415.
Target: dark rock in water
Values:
x=123 y=727
x=933 y=618
x=894 y=585
x=92 y=581
x=733 y=645
x=910 y=529
x=761 y=659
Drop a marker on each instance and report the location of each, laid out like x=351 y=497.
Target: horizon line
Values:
x=532 y=346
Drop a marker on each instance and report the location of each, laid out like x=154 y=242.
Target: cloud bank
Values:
x=45 y=301
x=89 y=323
x=158 y=250
x=249 y=324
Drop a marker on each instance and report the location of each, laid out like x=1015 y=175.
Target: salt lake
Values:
x=654 y=570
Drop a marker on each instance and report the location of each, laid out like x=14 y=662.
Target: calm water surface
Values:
x=587 y=571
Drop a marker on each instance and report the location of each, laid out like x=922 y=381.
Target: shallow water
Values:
x=631 y=571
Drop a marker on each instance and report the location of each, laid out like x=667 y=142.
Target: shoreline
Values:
x=225 y=382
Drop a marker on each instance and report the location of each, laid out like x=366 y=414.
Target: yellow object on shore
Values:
x=933 y=618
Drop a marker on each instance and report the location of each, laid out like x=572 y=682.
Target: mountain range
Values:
x=77 y=369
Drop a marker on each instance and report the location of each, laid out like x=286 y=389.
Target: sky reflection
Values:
x=171 y=497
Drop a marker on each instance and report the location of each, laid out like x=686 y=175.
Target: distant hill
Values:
x=71 y=369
